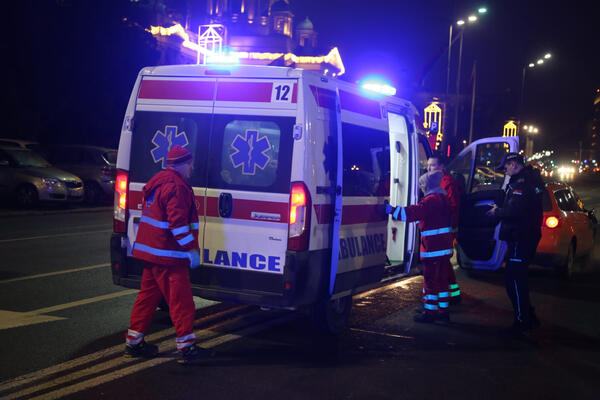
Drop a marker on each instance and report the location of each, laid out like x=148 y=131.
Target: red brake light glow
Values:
x=300 y=214
x=120 y=207
x=551 y=222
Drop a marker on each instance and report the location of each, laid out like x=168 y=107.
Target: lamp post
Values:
x=539 y=62
x=472 y=18
x=529 y=130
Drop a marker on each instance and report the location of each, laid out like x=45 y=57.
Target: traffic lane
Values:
x=56 y=253
x=384 y=354
x=23 y=226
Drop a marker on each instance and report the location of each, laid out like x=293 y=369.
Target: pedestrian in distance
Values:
x=454 y=190
x=433 y=214
x=167 y=243
x=520 y=226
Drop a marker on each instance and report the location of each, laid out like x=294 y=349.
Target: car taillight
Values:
x=120 y=210
x=299 y=225
x=551 y=222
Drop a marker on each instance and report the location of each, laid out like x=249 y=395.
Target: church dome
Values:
x=306 y=25
x=280 y=5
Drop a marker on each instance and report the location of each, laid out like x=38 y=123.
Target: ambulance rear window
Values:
x=251 y=153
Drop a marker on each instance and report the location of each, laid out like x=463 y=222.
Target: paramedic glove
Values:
x=194 y=257
x=388 y=208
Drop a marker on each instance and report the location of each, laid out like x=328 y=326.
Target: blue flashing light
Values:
x=376 y=86
x=223 y=59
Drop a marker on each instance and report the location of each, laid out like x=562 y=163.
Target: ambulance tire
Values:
x=330 y=317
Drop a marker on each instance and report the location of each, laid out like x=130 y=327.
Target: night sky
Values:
x=71 y=64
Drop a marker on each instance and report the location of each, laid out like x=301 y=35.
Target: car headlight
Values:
x=50 y=181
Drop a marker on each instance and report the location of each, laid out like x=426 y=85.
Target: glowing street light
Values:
x=472 y=18
x=547 y=56
x=540 y=61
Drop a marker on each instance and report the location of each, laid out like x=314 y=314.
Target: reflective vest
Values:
x=168 y=229
x=433 y=214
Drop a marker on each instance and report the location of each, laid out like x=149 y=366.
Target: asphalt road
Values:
x=62 y=323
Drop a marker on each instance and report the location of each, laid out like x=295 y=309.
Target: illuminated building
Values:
x=593 y=137
x=257 y=31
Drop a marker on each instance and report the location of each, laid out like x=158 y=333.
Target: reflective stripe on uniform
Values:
x=185 y=240
x=430 y=307
x=444 y=304
x=396 y=212
x=160 y=252
x=439 y=253
x=151 y=221
x=443 y=294
x=430 y=297
x=185 y=341
x=515 y=259
x=194 y=226
x=439 y=231
x=453 y=286
x=455 y=293
x=181 y=229
x=403 y=217
x=133 y=337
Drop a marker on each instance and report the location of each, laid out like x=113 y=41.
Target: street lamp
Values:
x=472 y=18
x=530 y=65
x=529 y=130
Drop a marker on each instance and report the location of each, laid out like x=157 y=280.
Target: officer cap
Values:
x=510 y=157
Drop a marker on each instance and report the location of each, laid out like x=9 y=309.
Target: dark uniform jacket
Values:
x=521 y=214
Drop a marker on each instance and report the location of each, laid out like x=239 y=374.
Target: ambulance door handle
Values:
x=225 y=205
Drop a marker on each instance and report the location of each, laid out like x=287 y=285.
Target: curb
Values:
x=20 y=213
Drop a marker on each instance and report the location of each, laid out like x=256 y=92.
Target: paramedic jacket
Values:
x=168 y=230
x=521 y=213
x=433 y=214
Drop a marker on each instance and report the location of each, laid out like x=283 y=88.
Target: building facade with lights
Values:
x=593 y=137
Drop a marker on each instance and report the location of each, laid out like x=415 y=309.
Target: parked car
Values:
x=23 y=144
x=28 y=178
x=95 y=165
x=568 y=229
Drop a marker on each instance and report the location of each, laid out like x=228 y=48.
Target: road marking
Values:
x=64 y=271
x=11 y=319
x=51 y=236
x=381 y=333
x=120 y=367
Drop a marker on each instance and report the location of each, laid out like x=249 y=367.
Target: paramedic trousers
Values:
x=520 y=254
x=172 y=284
x=452 y=284
x=435 y=286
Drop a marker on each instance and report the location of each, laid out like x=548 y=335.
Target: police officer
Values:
x=167 y=243
x=521 y=222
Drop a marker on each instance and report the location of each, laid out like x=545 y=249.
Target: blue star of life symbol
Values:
x=250 y=152
x=164 y=141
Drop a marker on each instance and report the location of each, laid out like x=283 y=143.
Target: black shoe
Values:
x=419 y=309
x=424 y=318
x=194 y=353
x=142 y=349
x=443 y=319
x=456 y=300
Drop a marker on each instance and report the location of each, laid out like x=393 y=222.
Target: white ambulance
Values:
x=290 y=168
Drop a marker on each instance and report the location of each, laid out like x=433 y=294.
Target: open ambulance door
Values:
x=475 y=167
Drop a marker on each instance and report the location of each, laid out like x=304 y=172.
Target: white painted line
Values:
x=51 y=236
x=64 y=271
x=137 y=367
x=10 y=319
x=111 y=351
x=381 y=333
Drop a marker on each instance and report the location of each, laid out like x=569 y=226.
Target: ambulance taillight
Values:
x=299 y=229
x=120 y=210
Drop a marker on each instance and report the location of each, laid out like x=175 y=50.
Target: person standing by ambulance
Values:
x=520 y=217
x=167 y=242
x=454 y=191
x=434 y=216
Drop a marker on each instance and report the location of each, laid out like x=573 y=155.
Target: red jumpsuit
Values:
x=454 y=193
x=166 y=240
x=433 y=214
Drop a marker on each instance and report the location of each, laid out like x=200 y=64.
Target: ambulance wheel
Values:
x=331 y=316
x=27 y=196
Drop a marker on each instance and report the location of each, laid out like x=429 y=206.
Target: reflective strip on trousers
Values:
x=160 y=252
x=433 y=232
x=439 y=253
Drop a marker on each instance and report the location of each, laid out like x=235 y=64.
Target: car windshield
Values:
x=27 y=158
x=111 y=156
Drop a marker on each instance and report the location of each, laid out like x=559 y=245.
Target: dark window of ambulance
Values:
x=155 y=132
x=252 y=153
x=366 y=161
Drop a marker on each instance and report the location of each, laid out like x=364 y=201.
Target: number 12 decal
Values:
x=282 y=92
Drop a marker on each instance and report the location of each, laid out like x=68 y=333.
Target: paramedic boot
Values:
x=142 y=349
x=424 y=318
x=194 y=353
x=419 y=309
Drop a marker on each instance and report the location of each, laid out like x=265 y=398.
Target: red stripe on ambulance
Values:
x=177 y=90
x=258 y=92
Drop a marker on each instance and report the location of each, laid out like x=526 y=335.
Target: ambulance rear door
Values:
x=249 y=158
x=475 y=167
x=170 y=110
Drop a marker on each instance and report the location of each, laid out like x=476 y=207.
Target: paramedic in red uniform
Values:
x=454 y=191
x=167 y=242
x=433 y=214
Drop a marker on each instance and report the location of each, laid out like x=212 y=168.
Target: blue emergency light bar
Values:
x=376 y=86
x=223 y=59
